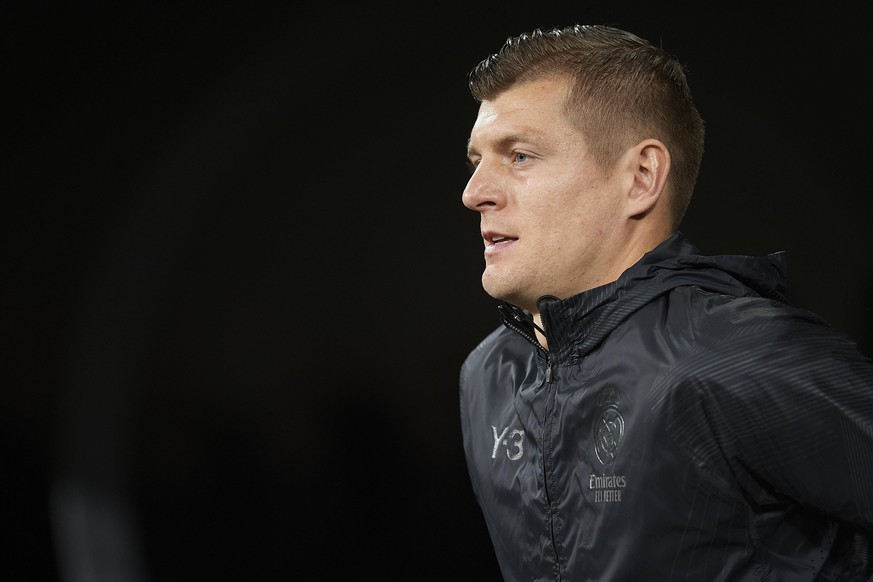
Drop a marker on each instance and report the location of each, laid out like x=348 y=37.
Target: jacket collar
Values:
x=576 y=325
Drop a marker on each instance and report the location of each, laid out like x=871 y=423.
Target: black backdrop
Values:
x=241 y=281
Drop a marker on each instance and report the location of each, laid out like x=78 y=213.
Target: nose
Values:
x=481 y=192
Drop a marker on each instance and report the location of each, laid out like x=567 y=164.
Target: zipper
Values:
x=547 y=432
x=520 y=321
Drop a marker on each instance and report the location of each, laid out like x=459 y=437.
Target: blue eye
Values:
x=520 y=157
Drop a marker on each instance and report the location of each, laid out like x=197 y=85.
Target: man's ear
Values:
x=649 y=162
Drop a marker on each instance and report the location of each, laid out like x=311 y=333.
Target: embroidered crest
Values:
x=609 y=426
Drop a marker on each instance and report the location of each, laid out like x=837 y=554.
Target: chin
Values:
x=494 y=288
x=503 y=292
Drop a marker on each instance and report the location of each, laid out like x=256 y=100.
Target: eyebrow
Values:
x=509 y=139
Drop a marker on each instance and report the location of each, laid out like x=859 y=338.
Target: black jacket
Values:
x=686 y=424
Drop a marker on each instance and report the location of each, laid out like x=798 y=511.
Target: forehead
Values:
x=534 y=109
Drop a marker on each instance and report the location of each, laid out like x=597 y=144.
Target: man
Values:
x=645 y=412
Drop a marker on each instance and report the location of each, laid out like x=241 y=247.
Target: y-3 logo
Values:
x=514 y=443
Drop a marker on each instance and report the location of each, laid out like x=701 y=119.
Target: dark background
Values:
x=241 y=282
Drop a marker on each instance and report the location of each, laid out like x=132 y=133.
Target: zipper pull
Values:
x=549 y=374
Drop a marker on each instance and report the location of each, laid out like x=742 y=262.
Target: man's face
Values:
x=549 y=215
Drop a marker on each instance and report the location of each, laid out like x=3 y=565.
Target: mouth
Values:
x=495 y=240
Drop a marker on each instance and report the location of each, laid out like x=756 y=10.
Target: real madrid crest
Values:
x=608 y=426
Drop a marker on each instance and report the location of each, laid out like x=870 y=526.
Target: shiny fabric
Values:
x=687 y=424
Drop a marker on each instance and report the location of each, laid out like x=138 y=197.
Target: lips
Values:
x=495 y=241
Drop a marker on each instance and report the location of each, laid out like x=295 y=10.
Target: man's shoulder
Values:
x=763 y=333
x=745 y=312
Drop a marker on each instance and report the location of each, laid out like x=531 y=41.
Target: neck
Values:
x=538 y=320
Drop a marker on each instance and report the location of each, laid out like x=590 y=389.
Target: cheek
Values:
x=599 y=206
x=573 y=205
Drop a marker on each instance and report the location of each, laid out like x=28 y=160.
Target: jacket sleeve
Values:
x=786 y=412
